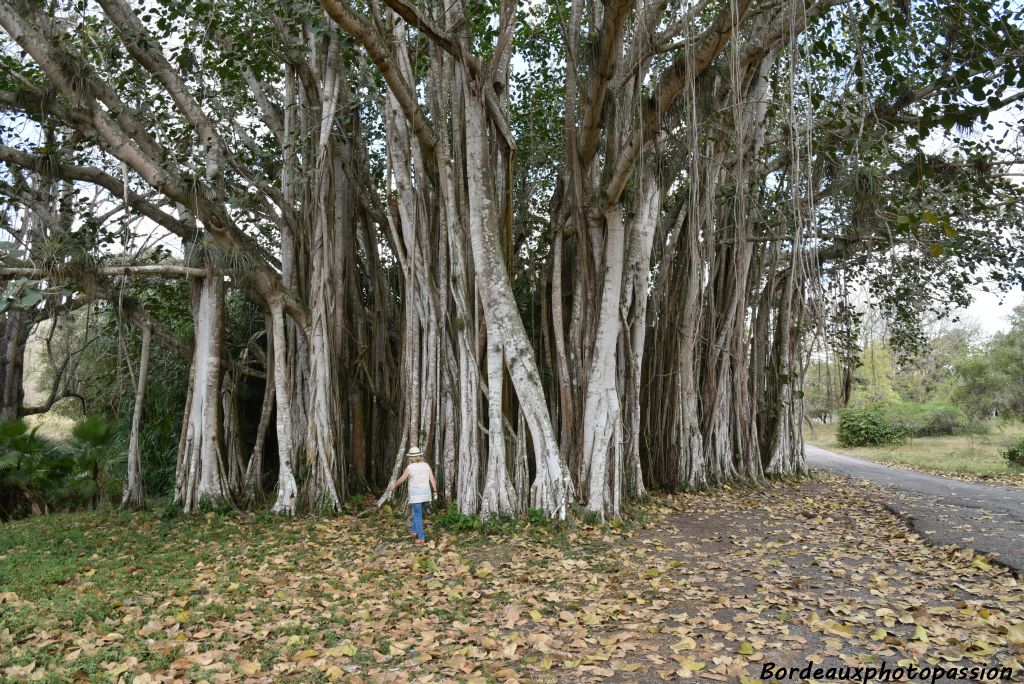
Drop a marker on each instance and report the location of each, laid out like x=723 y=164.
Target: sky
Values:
x=991 y=310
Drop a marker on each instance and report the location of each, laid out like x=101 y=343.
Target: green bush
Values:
x=37 y=476
x=933 y=419
x=33 y=471
x=892 y=422
x=868 y=426
x=1015 y=455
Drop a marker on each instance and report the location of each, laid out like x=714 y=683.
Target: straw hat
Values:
x=415 y=454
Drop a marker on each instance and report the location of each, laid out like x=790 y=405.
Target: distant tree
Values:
x=989 y=381
x=873 y=380
x=932 y=374
x=823 y=392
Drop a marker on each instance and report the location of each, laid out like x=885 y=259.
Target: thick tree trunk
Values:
x=634 y=336
x=468 y=482
x=325 y=483
x=134 y=495
x=498 y=497
x=785 y=450
x=602 y=407
x=552 y=486
x=287 y=489
x=201 y=476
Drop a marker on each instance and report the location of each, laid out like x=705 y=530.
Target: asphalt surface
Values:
x=986 y=518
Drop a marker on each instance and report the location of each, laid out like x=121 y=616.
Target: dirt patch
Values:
x=816 y=572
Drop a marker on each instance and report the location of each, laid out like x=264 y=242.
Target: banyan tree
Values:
x=573 y=250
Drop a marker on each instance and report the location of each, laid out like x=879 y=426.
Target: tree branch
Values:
x=346 y=19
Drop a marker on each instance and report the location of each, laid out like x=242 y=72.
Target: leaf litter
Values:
x=709 y=587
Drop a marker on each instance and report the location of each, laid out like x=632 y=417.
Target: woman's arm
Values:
x=405 y=476
x=433 y=482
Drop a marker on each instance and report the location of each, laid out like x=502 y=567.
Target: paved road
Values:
x=987 y=518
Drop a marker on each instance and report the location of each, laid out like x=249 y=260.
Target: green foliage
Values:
x=931 y=376
x=989 y=380
x=933 y=419
x=37 y=476
x=895 y=421
x=450 y=519
x=32 y=471
x=873 y=379
x=868 y=426
x=1015 y=455
x=98 y=467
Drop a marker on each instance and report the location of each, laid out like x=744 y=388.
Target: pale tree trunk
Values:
x=468 y=482
x=413 y=221
x=731 y=430
x=134 y=496
x=691 y=468
x=720 y=371
x=462 y=468
x=201 y=477
x=287 y=488
x=565 y=379
x=552 y=486
x=602 y=408
x=633 y=337
x=498 y=496
x=293 y=367
x=521 y=471
x=325 y=484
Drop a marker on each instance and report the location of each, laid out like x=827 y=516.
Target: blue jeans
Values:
x=417 y=520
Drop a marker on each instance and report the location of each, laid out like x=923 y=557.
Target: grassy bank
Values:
x=975 y=457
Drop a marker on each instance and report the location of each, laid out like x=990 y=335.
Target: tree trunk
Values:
x=602 y=408
x=498 y=497
x=201 y=477
x=325 y=483
x=634 y=336
x=13 y=336
x=287 y=489
x=552 y=485
x=232 y=433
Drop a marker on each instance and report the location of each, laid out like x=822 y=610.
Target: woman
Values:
x=421 y=488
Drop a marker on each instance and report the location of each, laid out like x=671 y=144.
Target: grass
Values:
x=966 y=456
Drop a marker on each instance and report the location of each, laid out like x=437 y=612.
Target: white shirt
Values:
x=419 y=483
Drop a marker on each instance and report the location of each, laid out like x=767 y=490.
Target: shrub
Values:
x=868 y=426
x=450 y=519
x=33 y=472
x=1015 y=455
x=894 y=421
x=932 y=419
x=99 y=467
